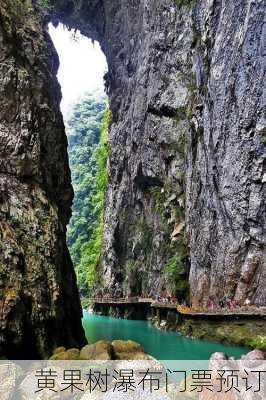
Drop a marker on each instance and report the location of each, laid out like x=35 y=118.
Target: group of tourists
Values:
x=225 y=303
x=212 y=304
x=165 y=300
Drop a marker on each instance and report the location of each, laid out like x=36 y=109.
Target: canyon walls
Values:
x=186 y=178
x=184 y=210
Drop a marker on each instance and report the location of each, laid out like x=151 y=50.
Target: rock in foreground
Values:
x=103 y=350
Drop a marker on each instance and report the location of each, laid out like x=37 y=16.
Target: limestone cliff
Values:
x=185 y=197
x=39 y=305
x=186 y=170
x=225 y=206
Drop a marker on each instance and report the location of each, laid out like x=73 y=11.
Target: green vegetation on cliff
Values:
x=46 y=4
x=88 y=153
x=238 y=332
x=177 y=275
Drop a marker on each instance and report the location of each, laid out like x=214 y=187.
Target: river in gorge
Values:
x=160 y=344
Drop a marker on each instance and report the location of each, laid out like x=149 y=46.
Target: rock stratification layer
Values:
x=184 y=210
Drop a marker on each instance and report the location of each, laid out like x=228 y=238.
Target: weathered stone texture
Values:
x=147 y=46
x=38 y=296
x=225 y=189
x=185 y=83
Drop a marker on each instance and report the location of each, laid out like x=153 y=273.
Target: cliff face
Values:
x=38 y=296
x=147 y=45
x=185 y=198
x=225 y=180
x=186 y=169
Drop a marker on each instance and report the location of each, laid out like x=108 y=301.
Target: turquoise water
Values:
x=161 y=345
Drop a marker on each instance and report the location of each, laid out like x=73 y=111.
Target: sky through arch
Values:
x=82 y=65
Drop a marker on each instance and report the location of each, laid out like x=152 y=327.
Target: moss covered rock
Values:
x=60 y=349
x=101 y=350
x=128 y=350
x=71 y=354
x=242 y=332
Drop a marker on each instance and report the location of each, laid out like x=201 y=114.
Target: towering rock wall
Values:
x=186 y=169
x=147 y=45
x=146 y=248
x=39 y=305
x=185 y=197
x=225 y=205
x=187 y=94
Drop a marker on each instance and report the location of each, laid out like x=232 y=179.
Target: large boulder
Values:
x=101 y=350
x=217 y=359
x=254 y=355
x=128 y=350
x=59 y=350
x=104 y=350
x=71 y=354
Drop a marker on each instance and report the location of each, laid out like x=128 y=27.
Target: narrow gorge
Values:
x=184 y=210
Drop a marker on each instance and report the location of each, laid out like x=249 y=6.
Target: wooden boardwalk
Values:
x=110 y=300
x=240 y=312
x=157 y=304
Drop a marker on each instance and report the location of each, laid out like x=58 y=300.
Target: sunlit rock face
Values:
x=185 y=171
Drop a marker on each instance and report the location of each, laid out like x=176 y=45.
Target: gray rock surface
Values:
x=254 y=355
x=147 y=45
x=225 y=191
x=186 y=169
x=185 y=83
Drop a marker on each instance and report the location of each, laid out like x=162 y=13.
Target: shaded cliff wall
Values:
x=39 y=304
x=186 y=169
x=145 y=216
x=147 y=46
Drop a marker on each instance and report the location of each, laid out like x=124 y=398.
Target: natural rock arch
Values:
x=185 y=85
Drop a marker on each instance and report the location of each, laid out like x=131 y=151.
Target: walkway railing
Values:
x=123 y=300
x=245 y=310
